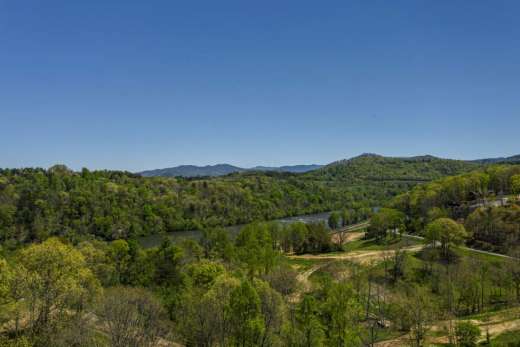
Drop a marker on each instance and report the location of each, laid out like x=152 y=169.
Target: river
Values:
x=155 y=240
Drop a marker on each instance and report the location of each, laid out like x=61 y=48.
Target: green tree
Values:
x=347 y=217
x=98 y=261
x=203 y=274
x=273 y=312
x=217 y=244
x=254 y=248
x=515 y=184
x=246 y=315
x=297 y=234
x=168 y=258
x=203 y=317
x=119 y=252
x=446 y=231
x=343 y=314
x=308 y=318
x=317 y=238
x=334 y=219
x=6 y=299
x=57 y=279
x=384 y=221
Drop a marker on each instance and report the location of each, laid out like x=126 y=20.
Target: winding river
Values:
x=155 y=240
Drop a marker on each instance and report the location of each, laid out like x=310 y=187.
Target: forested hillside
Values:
x=484 y=200
x=38 y=203
x=376 y=168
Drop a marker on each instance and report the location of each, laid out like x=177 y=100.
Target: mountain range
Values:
x=515 y=159
x=222 y=169
x=443 y=166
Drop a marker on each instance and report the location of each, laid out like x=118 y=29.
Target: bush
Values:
x=467 y=334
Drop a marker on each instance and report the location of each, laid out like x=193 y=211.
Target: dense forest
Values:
x=38 y=203
x=486 y=201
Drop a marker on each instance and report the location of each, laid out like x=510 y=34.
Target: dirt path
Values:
x=362 y=257
x=494 y=325
x=303 y=278
x=306 y=285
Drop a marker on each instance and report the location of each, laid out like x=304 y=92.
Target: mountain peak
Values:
x=368 y=155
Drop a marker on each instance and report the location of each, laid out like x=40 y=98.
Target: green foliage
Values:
x=55 y=278
x=167 y=260
x=36 y=204
x=203 y=274
x=254 y=248
x=515 y=184
x=476 y=197
x=348 y=217
x=308 y=315
x=18 y=342
x=384 y=221
x=467 y=334
x=273 y=311
x=447 y=232
x=240 y=292
x=245 y=312
x=377 y=169
x=495 y=228
x=305 y=238
x=6 y=299
x=334 y=219
x=507 y=339
x=217 y=244
x=342 y=312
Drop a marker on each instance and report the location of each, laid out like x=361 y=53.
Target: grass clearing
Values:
x=507 y=339
x=372 y=245
x=303 y=263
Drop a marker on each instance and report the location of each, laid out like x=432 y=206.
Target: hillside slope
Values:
x=37 y=203
x=376 y=168
x=515 y=159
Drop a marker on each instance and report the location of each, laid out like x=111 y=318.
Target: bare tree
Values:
x=132 y=317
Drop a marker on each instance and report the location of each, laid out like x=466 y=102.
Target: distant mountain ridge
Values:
x=222 y=170
x=515 y=159
x=364 y=166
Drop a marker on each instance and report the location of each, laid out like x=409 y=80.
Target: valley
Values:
x=426 y=260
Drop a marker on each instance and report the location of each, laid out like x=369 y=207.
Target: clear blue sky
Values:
x=147 y=84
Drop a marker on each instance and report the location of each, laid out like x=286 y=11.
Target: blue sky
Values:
x=147 y=84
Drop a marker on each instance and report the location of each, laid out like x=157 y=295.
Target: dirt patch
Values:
x=349 y=237
x=305 y=283
x=494 y=325
x=361 y=257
